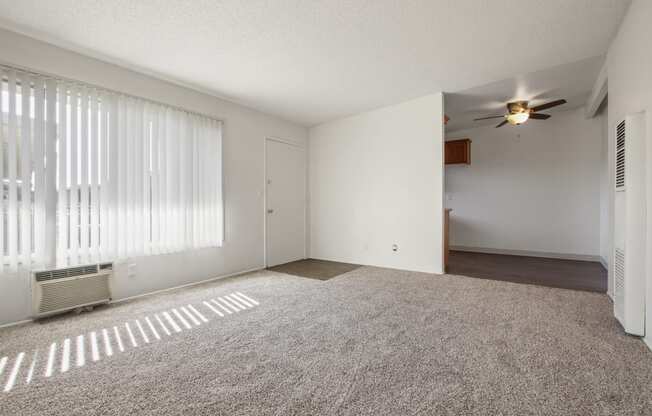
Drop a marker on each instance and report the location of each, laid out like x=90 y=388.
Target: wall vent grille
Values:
x=619 y=273
x=620 y=156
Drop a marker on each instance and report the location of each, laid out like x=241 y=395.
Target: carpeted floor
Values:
x=315 y=269
x=369 y=342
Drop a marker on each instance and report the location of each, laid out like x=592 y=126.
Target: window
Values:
x=92 y=175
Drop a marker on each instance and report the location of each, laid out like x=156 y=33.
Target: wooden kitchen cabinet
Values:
x=457 y=152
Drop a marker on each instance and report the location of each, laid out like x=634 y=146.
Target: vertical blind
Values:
x=92 y=175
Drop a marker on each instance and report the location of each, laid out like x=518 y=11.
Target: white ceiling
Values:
x=313 y=61
x=572 y=82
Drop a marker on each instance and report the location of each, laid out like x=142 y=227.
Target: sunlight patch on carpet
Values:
x=105 y=343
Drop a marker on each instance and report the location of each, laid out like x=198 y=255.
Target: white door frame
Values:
x=305 y=201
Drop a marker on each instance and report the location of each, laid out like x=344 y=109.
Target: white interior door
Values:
x=285 y=202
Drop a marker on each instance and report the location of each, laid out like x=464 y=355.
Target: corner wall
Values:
x=243 y=169
x=532 y=189
x=376 y=179
x=629 y=63
x=605 y=237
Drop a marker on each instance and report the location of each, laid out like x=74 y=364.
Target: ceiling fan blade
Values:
x=502 y=124
x=548 y=105
x=538 y=116
x=487 y=118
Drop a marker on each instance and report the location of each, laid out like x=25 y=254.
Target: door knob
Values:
x=270 y=211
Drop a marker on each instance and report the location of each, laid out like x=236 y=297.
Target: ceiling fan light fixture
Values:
x=518 y=118
x=518 y=112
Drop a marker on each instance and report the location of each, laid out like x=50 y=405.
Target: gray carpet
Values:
x=369 y=342
x=315 y=269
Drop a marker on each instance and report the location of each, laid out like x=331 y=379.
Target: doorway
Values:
x=285 y=202
x=527 y=201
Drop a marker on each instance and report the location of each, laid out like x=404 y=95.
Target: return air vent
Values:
x=630 y=246
x=620 y=156
x=619 y=279
x=60 y=290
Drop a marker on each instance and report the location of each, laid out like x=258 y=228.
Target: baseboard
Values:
x=168 y=289
x=391 y=267
x=24 y=321
x=528 y=253
x=224 y=276
x=604 y=263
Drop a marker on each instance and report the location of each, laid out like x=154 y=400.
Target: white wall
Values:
x=533 y=189
x=605 y=237
x=629 y=63
x=244 y=134
x=376 y=180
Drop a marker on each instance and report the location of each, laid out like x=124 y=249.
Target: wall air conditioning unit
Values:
x=60 y=290
x=628 y=265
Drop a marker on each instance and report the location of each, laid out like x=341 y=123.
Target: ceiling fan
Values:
x=518 y=112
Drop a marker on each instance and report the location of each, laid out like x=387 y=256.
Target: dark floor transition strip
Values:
x=315 y=269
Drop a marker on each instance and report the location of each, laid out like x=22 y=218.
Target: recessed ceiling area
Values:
x=310 y=62
x=572 y=82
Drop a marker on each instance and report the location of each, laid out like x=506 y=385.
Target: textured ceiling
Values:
x=313 y=61
x=572 y=82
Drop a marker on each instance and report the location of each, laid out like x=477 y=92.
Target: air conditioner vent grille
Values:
x=60 y=290
x=620 y=155
x=68 y=272
x=64 y=294
x=106 y=266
